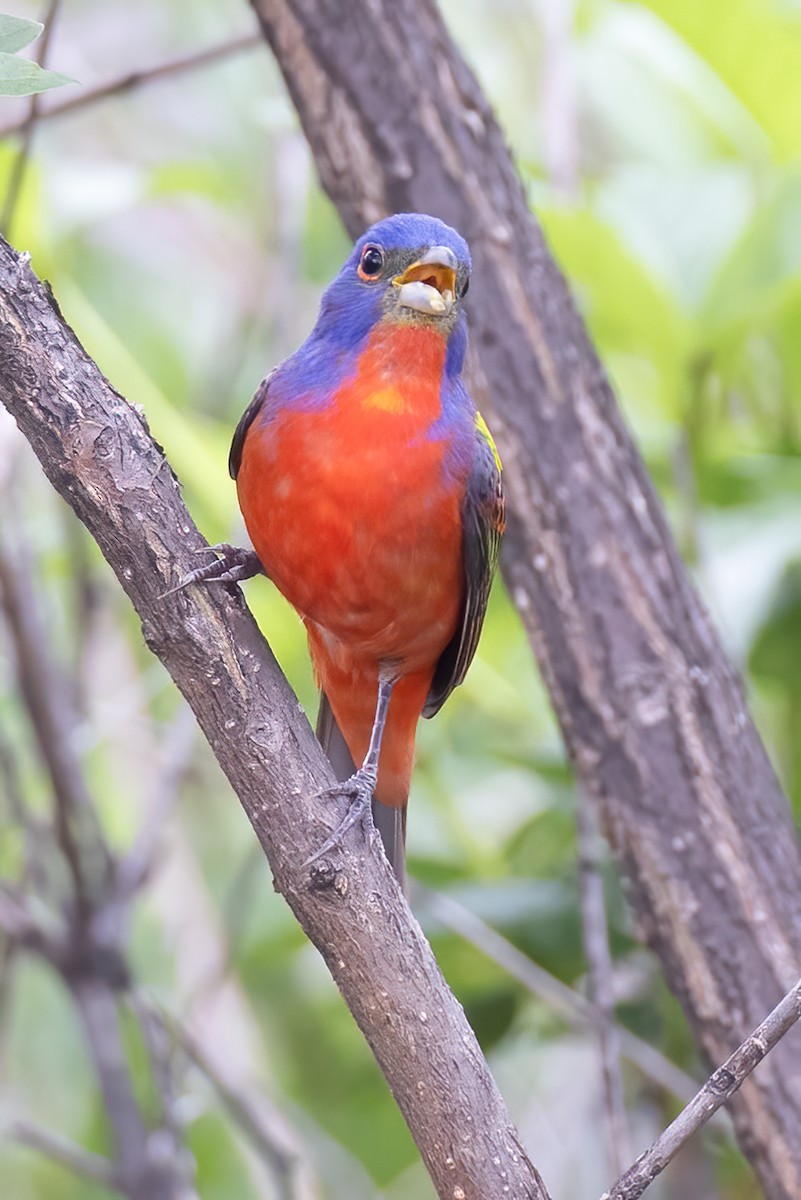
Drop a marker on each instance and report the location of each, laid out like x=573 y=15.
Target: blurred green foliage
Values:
x=187 y=242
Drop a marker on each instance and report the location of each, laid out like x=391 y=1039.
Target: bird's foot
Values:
x=232 y=565
x=359 y=790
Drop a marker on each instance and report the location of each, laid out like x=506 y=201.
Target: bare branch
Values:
x=719 y=1088
x=171 y=1148
x=557 y=995
x=135 y=79
x=142 y=1171
x=254 y=1114
x=27 y=923
x=599 y=974
x=11 y=789
x=61 y=1150
x=46 y=699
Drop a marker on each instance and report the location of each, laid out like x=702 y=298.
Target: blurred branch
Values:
x=558 y=99
x=27 y=125
x=161 y=1053
x=46 y=699
x=177 y=747
x=61 y=1150
x=23 y=928
x=11 y=790
x=653 y=716
x=98 y=453
x=141 y=1173
x=719 y=1088
x=557 y=995
x=82 y=937
x=135 y=79
x=254 y=1114
x=599 y=976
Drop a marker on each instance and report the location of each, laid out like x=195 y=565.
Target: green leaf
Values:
x=755 y=50
x=20 y=77
x=16 y=32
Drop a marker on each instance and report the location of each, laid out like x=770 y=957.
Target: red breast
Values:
x=350 y=512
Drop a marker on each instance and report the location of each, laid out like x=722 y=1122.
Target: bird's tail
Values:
x=390 y=822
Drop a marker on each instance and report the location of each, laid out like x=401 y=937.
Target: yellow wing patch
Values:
x=483 y=429
x=388 y=399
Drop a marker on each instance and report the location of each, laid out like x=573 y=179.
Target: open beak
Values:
x=429 y=285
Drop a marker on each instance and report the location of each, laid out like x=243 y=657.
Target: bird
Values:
x=371 y=490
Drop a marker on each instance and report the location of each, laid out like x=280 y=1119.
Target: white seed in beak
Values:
x=425 y=299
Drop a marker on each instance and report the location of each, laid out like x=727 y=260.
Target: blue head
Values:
x=408 y=268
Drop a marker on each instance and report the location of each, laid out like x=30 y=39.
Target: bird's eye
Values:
x=371 y=262
x=464 y=287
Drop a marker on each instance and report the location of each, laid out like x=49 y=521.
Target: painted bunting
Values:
x=371 y=491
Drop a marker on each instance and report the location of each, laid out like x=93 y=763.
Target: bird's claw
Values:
x=359 y=790
x=232 y=565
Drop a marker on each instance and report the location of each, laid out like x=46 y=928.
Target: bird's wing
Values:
x=245 y=422
x=483 y=524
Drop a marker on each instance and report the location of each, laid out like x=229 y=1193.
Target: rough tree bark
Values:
x=653 y=715
x=97 y=452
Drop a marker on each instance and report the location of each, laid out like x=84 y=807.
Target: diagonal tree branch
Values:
x=170 y=67
x=559 y=997
x=719 y=1088
x=654 y=718
x=61 y=1150
x=98 y=453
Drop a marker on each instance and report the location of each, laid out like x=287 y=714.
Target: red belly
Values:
x=350 y=513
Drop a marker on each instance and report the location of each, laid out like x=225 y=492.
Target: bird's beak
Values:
x=429 y=285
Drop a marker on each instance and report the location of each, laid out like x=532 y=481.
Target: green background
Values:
x=187 y=241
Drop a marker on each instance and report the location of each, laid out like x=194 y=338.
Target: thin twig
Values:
x=177 y=749
x=15 y=918
x=36 y=868
x=135 y=79
x=12 y=789
x=719 y=1088
x=557 y=995
x=255 y=1115
x=27 y=126
x=599 y=976
x=89 y=1166
x=46 y=699
x=140 y=1177
x=161 y=1046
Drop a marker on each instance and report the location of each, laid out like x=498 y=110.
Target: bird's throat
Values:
x=399 y=372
